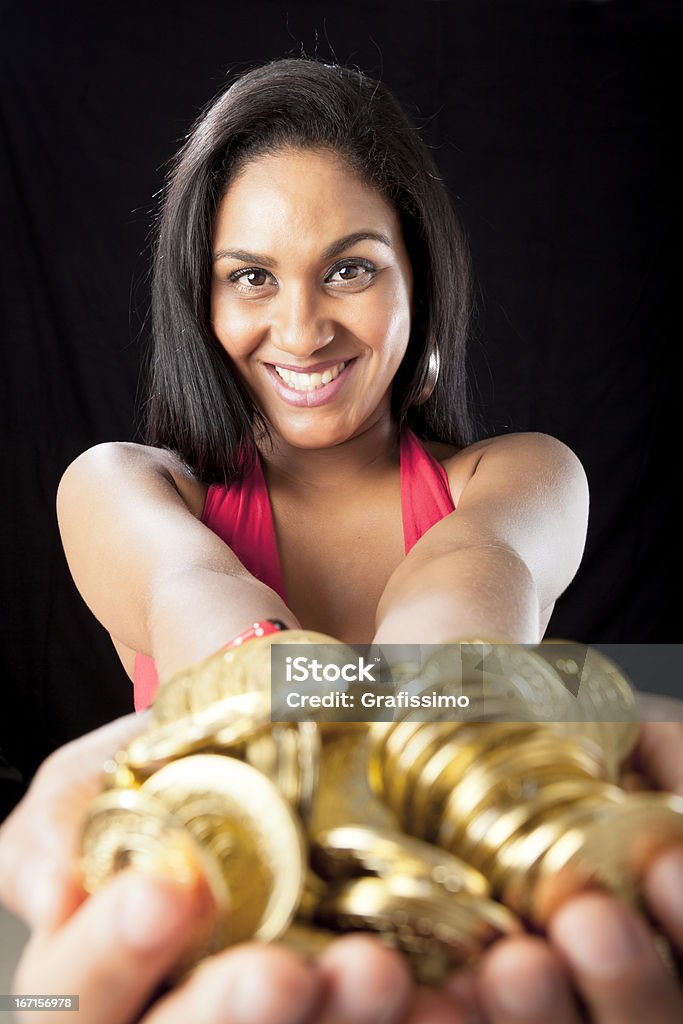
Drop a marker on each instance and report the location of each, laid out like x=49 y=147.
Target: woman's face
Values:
x=311 y=294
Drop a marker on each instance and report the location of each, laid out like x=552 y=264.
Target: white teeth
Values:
x=309 y=381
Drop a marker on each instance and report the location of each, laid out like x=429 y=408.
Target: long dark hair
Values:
x=197 y=405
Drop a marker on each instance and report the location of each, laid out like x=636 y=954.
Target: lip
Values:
x=314 y=397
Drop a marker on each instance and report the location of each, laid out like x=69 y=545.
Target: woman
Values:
x=308 y=447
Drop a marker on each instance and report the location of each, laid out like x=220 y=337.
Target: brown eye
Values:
x=250 y=280
x=254 y=278
x=359 y=271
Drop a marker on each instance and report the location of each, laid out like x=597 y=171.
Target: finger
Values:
x=663 y=888
x=364 y=982
x=659 y=754
x=430 y=1006
x=39 y=840
x=521 y=980
x=116 y=949
x=613 y=960
x=461 y=986
x=249 y=984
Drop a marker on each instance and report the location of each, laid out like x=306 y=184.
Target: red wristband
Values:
x=263 y=628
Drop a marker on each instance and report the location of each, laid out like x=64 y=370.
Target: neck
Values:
x=368 y=453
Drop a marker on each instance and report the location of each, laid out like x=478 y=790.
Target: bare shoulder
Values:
x=124 y=463
x=526 y=458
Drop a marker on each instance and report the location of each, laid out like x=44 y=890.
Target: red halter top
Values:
x=241 y=516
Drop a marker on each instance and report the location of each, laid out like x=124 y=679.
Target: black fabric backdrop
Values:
x=554 y=124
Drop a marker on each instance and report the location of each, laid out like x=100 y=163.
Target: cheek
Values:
x=392 y=321
x=234 y=330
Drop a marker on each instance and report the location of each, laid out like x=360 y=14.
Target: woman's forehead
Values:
x=292 y=192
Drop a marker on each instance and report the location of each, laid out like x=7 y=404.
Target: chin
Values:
x=313 y=437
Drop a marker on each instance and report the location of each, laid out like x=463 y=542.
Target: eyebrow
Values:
x=332 y=250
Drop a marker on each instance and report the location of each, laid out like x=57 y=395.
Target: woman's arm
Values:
x=157 y=579
x=494 y=567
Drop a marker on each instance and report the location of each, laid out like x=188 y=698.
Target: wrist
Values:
x=264 y=627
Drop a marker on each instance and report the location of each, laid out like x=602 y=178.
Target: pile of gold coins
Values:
x=438 y=835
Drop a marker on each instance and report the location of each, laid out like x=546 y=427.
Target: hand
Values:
x=115 y=947
x=598 y=948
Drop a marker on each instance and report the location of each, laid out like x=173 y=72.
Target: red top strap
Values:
x=425 y=493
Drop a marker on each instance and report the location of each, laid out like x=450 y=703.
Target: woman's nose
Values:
x=301 y=323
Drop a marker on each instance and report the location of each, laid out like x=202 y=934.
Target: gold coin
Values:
x=452 y=764
x=417 y=917
x=613 y=850
x=602 y=694
x=224 y=724
x=513 y=875
x=516 y=682
x=129 y=828
x=289 y=757
x=489 y=829
x=343 y=794
x=402 y=766
x=226 y=673
x=385 y=745
x=351 y=850
x=526 y=759
x=240 y=818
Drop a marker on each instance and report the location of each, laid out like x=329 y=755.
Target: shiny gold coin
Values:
x=343 y=796
x=352 y=850
x=240 y=818
x=603 y=699
x=489 y=829
x=452 y=765
x=504 y=674
x=225 y=723
x=513 y=875
x=289 y=756
x=528 y=758
x=226 y=673
x=385 y=745
x=129 y=828
x=403 y=766
x=613 y=850
x=418 y=918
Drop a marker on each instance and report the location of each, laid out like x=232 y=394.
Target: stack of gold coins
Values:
x=429 y=904
x=216 y=791
x=534 y=811
x=416 y=830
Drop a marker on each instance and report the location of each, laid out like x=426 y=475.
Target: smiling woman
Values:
x=309 y=459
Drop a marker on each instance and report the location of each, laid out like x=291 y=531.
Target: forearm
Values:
x=485 y=592
x=194 y=612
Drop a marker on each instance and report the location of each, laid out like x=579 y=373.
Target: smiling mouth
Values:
x=300 y=381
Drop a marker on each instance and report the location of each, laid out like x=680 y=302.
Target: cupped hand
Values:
x=601 y=961
x=116 y=947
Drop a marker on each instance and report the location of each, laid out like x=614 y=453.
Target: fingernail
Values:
x=152 y=913
x=600 y=937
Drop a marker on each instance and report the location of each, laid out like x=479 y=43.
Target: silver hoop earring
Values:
x=431 y=377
